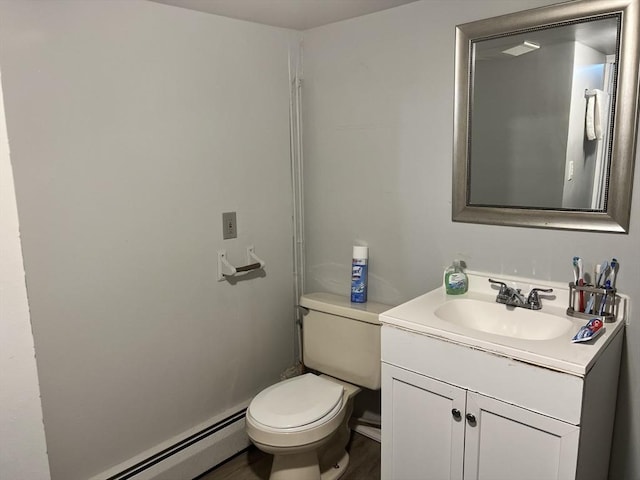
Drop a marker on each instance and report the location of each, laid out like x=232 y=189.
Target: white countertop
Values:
x=558 y=353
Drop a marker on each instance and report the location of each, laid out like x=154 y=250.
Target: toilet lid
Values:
x=296 y=402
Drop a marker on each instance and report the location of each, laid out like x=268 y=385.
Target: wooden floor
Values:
x=252 y=464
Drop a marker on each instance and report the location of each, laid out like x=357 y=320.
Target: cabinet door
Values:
x=421 y=437
x=509 y=442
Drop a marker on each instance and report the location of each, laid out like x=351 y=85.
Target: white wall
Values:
x=378 y=152
x=133 y=126
x=23 y=452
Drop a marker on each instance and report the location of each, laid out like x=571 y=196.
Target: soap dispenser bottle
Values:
x=456 y=281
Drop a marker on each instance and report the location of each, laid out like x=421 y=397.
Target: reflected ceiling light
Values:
x=524 y=47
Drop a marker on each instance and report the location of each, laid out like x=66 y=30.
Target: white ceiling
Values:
x=295 y=14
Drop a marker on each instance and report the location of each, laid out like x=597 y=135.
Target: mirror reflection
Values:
x=541 y=113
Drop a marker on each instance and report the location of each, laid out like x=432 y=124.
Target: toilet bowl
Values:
x=296 y=420
x=303 y=421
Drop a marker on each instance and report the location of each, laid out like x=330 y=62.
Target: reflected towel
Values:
x=595 y=110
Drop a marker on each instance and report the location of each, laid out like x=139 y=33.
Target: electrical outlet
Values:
x=229 y=225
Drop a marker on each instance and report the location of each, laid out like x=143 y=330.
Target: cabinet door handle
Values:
x=456 y=414
x=471 y=419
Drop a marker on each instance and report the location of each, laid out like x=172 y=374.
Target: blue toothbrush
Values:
x=613 y=272
x=603 y=303
x=590 y=303
x=609 y=283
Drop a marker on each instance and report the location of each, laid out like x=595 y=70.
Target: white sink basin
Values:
x=499 y=319
x=474 y=319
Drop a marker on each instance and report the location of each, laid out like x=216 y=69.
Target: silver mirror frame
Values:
x=618 y=210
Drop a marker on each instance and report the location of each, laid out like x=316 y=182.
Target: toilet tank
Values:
x=342 y=339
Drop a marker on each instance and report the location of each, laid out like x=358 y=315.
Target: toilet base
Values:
x=305 y=466
x=334 y=472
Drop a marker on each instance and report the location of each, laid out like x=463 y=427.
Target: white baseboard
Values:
x=203 y=456
x=374 y=433
x=189 y=454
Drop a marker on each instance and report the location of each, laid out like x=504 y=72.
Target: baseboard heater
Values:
x=166 y=453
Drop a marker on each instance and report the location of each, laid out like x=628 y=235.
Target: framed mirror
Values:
x=546 y=115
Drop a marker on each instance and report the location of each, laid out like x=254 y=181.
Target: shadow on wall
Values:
x=336 y=278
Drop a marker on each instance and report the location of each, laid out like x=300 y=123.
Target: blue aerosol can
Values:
x=359 y=272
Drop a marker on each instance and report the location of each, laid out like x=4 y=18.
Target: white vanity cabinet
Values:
x=450 y=411
x=441 y=431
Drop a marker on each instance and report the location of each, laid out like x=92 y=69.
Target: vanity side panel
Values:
x=598 y=413
x=541 y=390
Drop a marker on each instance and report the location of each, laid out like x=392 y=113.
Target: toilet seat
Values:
x=297 y=404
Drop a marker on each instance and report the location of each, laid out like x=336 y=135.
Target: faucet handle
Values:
x=503 y=286
x=505 y=292
x=534 y=299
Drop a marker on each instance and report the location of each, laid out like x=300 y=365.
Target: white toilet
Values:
x=303 y=421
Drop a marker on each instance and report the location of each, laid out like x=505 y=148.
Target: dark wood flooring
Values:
x=252 y=464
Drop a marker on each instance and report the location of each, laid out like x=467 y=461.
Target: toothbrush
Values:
x=575 y=270
x=578 y=273
x=613 y=272
x=608 y=284
x=596 y=283
x=603 y=303
x=581 y=283
x=604 y=267
x=590 y=303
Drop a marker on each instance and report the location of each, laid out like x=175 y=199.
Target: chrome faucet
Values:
x=515 y=298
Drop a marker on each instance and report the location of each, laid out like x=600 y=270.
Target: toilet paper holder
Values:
x=225 y=269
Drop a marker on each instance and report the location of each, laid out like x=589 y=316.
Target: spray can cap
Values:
x=360 y=252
